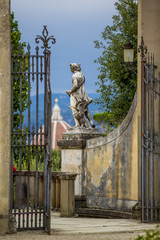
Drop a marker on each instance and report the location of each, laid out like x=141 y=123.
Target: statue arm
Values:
x=74 y=86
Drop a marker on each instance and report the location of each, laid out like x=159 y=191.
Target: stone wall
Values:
x=112 y=166
x=5 y=112
x=148 y=27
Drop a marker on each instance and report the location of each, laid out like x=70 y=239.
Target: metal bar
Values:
x=12 y=112
x=33 y=140
x=41 y=139
x=23 y=221
x=31 y=216
x=38 y=211
x=148 y=135
x=16 y=68
x=151 y=153
x=20 y=153
x=156 y=211
x=15 y=210
x=145 y=75
x=142 y=142
x=41 y=67
x=24 y=139
x=34 y=145
x=49 y=147
x=33 y=68
x=31 y=72
x=29 y=134
x=36 y=183
x=30 y=228
x=45 y=136
x=40 y=216
x=33 y=55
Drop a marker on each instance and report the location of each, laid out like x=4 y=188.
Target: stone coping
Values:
x=67 y=176
x=72 y=144
x=80 y=135
x=81 y=130
x=103 y=213
x=41 y=173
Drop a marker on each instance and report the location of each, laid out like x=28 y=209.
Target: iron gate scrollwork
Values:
x=150 y=128
x=31 y=143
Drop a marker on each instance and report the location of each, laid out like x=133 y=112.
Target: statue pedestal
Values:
x=74 y=155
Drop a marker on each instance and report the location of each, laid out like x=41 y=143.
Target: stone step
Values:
x=102 y=213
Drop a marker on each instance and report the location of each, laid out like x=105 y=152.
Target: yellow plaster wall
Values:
x=112 y=165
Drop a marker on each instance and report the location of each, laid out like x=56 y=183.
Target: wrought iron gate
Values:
x=31 y=143
x=150 y=139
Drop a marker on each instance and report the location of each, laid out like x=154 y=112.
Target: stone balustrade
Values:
x=62 y=190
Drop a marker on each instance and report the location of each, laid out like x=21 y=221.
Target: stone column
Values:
x=5 y=113
x=67 y=204
x=74 y=157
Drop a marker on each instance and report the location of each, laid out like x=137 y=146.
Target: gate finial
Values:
x=45 y=39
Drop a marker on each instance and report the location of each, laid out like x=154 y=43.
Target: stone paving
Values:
x=76 y=228
x=40 y=235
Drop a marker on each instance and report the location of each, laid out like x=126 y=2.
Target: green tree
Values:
x=116 y=82
x=18 y=49
x=56 y=160
x=19 y=64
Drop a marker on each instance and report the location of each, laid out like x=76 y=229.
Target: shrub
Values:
x=153 y=234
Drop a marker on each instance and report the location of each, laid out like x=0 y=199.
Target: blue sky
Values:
x=75 y=25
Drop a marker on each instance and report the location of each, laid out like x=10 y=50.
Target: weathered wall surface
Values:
x=112 y=166
x=5 y=112
x=148 y=27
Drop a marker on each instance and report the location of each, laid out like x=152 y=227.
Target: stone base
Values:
x=80 y=202
x=8 y=224
x=12 y=225
x=3 y=224
x=136 y=211
x=110 y=203
x=103 y=213
x=74 y=155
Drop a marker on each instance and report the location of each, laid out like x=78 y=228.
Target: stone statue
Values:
x=79 y=99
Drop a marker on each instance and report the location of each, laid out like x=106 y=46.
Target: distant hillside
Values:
x=63 y=102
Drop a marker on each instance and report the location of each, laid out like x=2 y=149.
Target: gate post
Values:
x=67 y=204
x=5 y=113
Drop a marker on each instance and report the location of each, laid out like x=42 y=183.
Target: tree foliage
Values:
x=116 y=81
x=18 y=49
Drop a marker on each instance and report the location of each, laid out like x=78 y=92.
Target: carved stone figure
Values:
x=79 y=99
